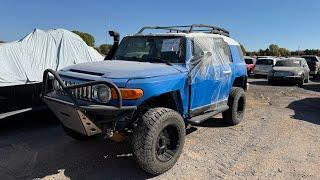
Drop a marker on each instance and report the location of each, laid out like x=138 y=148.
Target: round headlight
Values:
x=103 y=93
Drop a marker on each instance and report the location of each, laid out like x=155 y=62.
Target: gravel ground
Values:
x=280 y=138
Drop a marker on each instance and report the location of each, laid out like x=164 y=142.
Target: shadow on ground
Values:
x=34 y=146
x=264 y=82
x=259 y=82
x=28 y=120
x=312 y=87
x=307 y=109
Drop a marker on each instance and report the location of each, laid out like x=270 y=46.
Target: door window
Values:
x=210 y=57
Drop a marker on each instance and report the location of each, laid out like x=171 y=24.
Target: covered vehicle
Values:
x=294 y=70
x=23 y=62
x=264 y=65
x=251 y=63
x=149 y=87
x=314 y=65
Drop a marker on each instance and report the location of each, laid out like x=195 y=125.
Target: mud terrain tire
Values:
x=237 y=105
x=158 y=140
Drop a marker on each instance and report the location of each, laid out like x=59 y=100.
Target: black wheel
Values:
x=306 y=80
x=237 y=105
x=75 y=134
x=270 y=82
x=158 y=140
x=301 y=81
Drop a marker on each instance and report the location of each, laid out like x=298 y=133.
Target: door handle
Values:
x=227 y=72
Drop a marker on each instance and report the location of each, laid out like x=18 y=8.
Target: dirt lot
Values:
x=280 y=138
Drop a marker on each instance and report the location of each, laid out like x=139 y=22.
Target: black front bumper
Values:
x=288 y=79
x=86 y=118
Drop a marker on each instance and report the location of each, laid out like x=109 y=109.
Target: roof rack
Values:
x=189 y=29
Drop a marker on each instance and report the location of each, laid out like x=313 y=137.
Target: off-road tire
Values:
x=146 y=138
x=306 y=80
x=75 y=135
x=237 y=105
x=300 y=83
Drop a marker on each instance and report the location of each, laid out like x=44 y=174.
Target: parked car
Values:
x=23 y=62
x=264 y=66
x=150 y=87
x=251 y=62
x=291 y=70
x=314 y=65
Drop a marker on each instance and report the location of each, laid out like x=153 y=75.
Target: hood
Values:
x=124 y=69
x=287 y=69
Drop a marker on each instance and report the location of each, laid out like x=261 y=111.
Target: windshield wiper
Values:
x=160 y=60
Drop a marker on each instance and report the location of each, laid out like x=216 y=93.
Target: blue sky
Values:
x=256 y=24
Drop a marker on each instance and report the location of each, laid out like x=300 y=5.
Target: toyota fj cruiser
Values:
x=151 y=86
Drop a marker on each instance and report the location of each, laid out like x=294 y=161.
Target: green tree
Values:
x=104 y=48
x=261 y=52
x=274 y=50
x=284 y=52
x=2 y=42
x=88 y=38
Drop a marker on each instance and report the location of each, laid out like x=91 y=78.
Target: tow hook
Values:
x=114 y=135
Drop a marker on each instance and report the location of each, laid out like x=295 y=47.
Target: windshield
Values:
x=264 y=62
x=163 y=49
x=310 y=59
x=288 y=63
x=249 y=61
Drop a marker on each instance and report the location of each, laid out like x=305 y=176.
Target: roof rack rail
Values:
x=189 y=29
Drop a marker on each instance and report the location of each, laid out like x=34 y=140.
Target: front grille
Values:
x=283 y=73
x=85 y=93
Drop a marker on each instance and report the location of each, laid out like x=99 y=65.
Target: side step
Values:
x=201 y=118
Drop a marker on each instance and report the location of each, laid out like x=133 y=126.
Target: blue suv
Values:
x=150 y=86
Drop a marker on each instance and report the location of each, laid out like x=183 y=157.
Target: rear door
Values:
x=210 y=73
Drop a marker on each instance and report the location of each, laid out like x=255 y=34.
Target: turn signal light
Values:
x=128 y=94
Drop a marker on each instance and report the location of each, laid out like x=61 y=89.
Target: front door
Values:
x=210 y=74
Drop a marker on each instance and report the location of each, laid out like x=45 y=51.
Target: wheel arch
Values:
x=241 y=81
x=171 y=100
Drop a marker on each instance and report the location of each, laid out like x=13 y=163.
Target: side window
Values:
x=226 y=50
x=216 y=47
x=211 y=56
x=240 y=53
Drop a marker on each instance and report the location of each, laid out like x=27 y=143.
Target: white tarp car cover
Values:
x=24 y=61
x=211 y=59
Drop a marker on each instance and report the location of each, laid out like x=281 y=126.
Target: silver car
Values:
x=264 y=65
x=293 y=70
